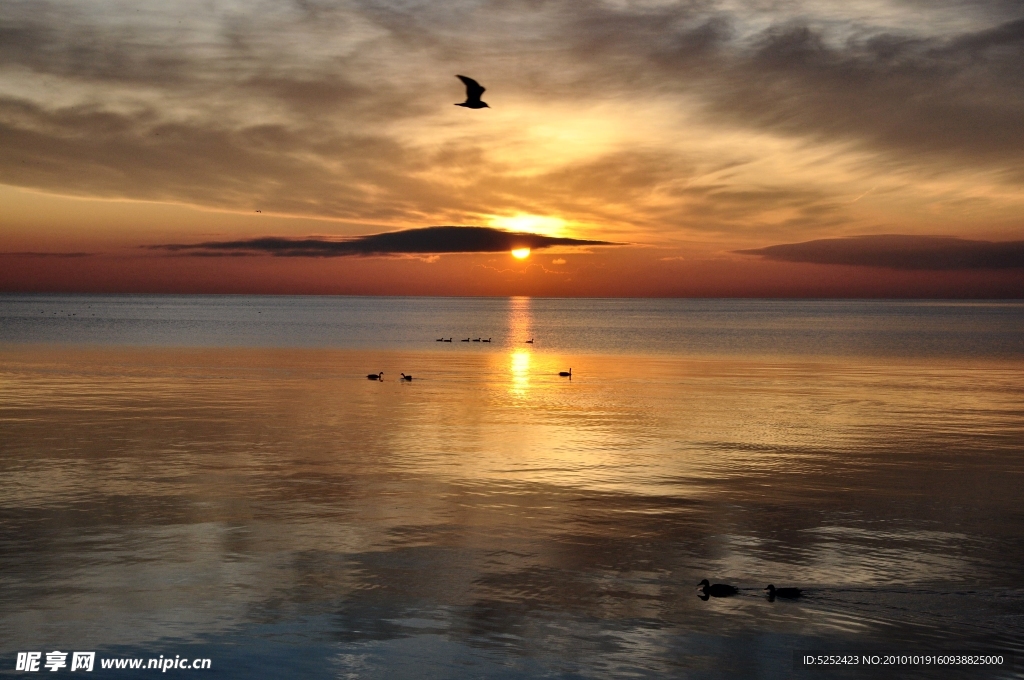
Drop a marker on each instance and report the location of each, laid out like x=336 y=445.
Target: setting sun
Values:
x=521 y=253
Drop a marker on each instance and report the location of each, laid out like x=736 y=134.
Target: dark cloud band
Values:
x=893 y=251
x=424 y=241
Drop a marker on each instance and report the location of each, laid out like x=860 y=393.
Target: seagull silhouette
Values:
x=473 y=92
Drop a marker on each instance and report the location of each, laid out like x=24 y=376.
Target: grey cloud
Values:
x=427 y=240
x=893 y=251
x=236 y=57
x=95 y=151
x=919 y=96
x=290 y=104
x=962 y=98
x=934 y=94
x=65 y=41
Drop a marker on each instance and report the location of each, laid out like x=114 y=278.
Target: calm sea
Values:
x=215 y=477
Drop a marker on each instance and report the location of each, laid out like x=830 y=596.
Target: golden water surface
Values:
x=494 y=512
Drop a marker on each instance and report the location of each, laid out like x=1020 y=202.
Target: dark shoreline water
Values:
x=269 y=508
x=897 y=328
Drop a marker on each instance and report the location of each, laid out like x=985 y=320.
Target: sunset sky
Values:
x=183 y=147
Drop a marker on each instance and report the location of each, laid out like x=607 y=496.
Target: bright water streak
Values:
x=194 y=481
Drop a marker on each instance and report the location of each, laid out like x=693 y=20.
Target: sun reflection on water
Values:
x=520 y=329
x=520 y=368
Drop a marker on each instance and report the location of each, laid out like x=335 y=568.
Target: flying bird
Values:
x=473 y=92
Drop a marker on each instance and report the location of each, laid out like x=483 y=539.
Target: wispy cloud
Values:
x=425 y=241
x=343 y=109
x=893 y=251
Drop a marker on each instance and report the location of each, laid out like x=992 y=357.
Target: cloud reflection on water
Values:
x=202 y=490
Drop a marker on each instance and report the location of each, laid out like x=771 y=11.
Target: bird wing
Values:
x=473 y=89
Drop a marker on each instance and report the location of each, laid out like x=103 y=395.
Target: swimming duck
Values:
x=788 y=593
x=407 y=378
x=717 y=590
x=376 y=376
x=566 y=374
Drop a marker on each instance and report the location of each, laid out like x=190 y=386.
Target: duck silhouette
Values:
x=439 y=340
x=716 y=590
x=476 y=339
x=487 y=340
x=448 y=340
x=530 y=341
x=376 y=376
x=786 y=593
x=466 y=340
x=474 y=90
x=566 y=374
x=407 y=378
